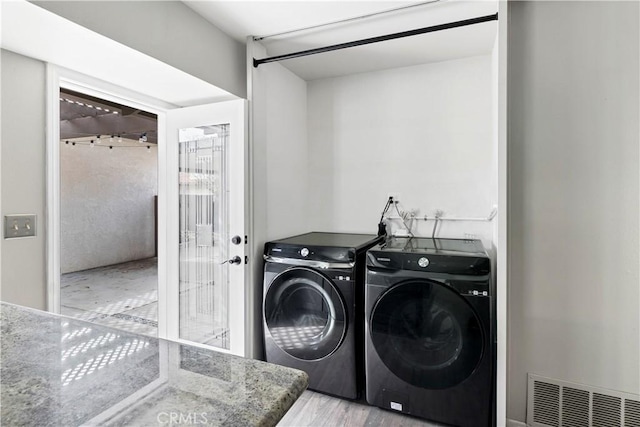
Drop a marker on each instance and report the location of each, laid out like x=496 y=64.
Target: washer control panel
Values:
x=311 y=253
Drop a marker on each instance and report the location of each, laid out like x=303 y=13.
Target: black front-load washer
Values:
x=313 y=292
x=430 y=346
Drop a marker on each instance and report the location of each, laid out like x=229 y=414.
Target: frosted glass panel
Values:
x=204 y=287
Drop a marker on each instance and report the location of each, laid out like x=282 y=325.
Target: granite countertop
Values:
x=58 y=371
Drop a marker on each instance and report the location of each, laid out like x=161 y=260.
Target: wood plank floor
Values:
x=317 y=409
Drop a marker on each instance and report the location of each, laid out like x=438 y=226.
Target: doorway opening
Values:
x=108 y=213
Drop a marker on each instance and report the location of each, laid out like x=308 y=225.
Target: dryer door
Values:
x=426 y=334
x=305 y=313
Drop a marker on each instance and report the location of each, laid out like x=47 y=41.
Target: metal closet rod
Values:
x=447 y=26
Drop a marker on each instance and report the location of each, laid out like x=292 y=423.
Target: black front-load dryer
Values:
x=430 y=346
x=313 y=304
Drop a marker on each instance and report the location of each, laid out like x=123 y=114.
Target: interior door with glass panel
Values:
x=206 y=159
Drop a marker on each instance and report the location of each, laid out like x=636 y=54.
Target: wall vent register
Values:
x=555 y=403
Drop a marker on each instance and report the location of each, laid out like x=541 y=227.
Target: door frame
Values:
x=57 y=78
x=60 y=77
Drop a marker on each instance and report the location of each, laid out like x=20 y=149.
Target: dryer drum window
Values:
x=426 y=334
x=305 y=314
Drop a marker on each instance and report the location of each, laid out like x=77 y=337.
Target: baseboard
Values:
x=514 y=423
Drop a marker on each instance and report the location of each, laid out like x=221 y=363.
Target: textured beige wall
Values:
x=574 y=285
x=106 y=205
x=23 y=177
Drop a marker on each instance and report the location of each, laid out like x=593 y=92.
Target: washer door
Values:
x=305 y=313
x=426 y=334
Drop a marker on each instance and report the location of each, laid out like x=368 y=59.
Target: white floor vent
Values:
x=555 y=403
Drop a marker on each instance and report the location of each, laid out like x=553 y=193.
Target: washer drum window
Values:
x=305 y=313
x=426 y=334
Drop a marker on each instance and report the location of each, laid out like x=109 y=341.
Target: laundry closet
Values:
x=419 y=118
x=335 y=134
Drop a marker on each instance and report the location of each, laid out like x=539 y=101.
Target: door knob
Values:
x=236 y=240
x=235 y=260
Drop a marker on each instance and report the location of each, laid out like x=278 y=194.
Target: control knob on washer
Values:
x=304 y=251
x=423 y=262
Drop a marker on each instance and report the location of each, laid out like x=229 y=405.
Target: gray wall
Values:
x=23 y=177
x=106 y=205
x=166 y=30
x=573 y=195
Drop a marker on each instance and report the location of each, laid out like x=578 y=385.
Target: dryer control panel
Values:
x=449 y=256
x=449 y=264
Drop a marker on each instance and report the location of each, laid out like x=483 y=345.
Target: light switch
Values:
x=19 y=226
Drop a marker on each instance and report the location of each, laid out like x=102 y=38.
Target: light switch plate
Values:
x=22 y=225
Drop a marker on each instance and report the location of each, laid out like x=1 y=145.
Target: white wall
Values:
x=574 y=311
x=279 y=152
x=166 y=30
x=500 y=51
x=423 y=134
x=106 y=205
x=23 y=170
x=286 y=153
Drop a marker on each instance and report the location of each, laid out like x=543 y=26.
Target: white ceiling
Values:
x=240 y=19
x=258 y=18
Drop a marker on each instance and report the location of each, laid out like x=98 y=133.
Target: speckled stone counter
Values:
x=58 y=371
